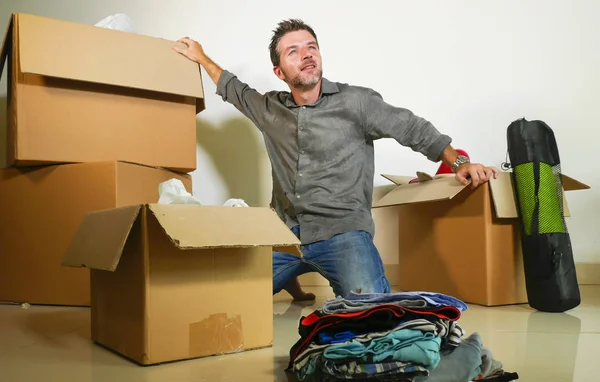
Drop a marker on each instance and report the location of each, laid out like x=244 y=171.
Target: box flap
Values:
x=398 y=179
x=440 y=188
x=505 y=201
x=503 y=196
x=88 y=53
x=570 y=184
x=100 y=239
x=6 y=47
x=194 y=226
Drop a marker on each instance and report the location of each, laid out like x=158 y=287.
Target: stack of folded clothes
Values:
x=391 y=337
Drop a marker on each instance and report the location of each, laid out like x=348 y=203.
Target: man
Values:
x=319 y=137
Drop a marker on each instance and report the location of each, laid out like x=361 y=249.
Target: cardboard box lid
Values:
x=446 y=187
x=101 y=237
x=88 y=53
x=438 y=188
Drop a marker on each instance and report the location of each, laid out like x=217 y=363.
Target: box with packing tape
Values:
x=172 y=281
x=460 y=241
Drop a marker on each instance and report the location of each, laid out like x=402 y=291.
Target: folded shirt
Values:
x=354 y=370
x=406 y=345
x=432 y=299
x=341 y=305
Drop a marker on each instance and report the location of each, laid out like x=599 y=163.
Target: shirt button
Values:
x=300 y=174
x=302 y=152
x=300 y=128
x=297 y=196
x=304 y=107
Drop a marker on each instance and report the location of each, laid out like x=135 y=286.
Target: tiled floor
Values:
x=52 y=344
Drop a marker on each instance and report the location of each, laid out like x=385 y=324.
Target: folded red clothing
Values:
x=445 y=312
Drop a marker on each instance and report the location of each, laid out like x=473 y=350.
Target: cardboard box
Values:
x=174 y=282
x=459 y=241
x=40 y=210
x=80 y=93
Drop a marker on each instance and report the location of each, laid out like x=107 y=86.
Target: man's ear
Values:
x=279 y=73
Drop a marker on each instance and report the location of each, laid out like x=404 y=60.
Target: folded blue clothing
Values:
x=462 y=364
x=326 y=338
x=433 y=299
x=450 y=332
x=406 y=345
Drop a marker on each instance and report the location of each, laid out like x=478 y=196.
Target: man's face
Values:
x=300 y=60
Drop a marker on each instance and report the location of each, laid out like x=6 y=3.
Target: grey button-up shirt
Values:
x=322 y=153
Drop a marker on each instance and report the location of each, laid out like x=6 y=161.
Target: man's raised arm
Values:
x=246 y=99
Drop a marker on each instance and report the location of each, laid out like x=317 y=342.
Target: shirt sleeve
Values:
x=247 y=100
x=382 y=120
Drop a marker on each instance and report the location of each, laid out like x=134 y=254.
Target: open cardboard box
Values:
x=459 y=241
x=81 y=93
x=174 y=282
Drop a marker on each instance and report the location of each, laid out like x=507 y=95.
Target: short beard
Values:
x=300 y=82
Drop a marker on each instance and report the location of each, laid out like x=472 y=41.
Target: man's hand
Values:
x=190 y=49
x=478 y=173
x=194 y=51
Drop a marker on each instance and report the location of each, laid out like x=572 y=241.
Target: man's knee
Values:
x=363 y=270
x=366 y=279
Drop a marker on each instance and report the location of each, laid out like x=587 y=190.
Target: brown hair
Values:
x=284 y=27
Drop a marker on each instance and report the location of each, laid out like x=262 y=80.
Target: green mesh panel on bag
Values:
x=549 y=196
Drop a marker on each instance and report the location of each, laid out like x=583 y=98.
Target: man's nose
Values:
x=306 y=54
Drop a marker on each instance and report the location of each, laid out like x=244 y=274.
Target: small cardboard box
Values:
x=174 y=282
x=459 y=241
x=40 y=210
x=81 y=93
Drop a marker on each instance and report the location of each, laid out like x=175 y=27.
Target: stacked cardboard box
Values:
x=92 y=124
x=97 y=119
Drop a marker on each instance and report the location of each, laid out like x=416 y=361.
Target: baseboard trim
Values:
x=587 y=274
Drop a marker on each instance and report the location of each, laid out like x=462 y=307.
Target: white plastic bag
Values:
x=173 y=192
x=119 y=21
x=235 y=203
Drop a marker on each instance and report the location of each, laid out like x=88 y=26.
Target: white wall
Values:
x=470 y=67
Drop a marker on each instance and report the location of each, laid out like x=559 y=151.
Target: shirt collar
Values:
x=327 y=87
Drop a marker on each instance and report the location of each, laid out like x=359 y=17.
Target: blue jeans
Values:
x=349 y=261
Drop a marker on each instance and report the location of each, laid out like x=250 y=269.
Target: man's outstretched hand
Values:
x=190 y=49
x=478 y=173
x=194 y=51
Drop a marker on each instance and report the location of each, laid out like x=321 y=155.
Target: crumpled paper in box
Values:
x=119 y=21
x=235 y=203
x=173 y=191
